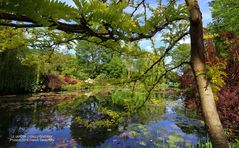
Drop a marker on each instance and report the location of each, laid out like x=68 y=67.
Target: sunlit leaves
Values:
x=10 y=38
x=215 y=74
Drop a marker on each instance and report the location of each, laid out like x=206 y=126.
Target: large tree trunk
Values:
x=205 y=92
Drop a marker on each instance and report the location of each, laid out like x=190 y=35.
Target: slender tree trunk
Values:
x=205 y=92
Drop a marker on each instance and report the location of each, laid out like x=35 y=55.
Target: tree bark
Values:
x=198 y=64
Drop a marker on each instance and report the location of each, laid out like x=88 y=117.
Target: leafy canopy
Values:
x=225 y=15
x=105 y=20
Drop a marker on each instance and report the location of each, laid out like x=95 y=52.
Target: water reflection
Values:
x=154 y=125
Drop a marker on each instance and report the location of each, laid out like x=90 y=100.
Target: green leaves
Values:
x=181 y=53
x=10 y=38
x=15 y=76
x=40 y=11
x=225 y=15
x=106 y=16
x=215 y=74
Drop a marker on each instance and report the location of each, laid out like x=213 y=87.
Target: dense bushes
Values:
x=228 y=96
x=14 y=76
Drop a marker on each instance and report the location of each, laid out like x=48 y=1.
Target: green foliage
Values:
x=208 y=144
x=215 y=74
x=16 y=77
x=114 y=116
x=96 y=17
x=91 y=58
x=102 y=123
x=173 y=139
x=114 y=68
x=234 y=144
x=70 y=87
x=101 y=78
x=128 y=100
x=181 y=53
x=26 y=57
x=40 y=11
x=10 y=38
x=97 y=12
x=225 y=20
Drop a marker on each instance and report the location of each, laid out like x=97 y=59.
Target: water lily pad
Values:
x=134 y=133
x=142 y=143
x=173 y=139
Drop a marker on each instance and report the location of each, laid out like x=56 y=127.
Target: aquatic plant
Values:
x=128 y=100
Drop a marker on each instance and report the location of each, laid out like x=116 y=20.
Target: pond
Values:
x=40 y=123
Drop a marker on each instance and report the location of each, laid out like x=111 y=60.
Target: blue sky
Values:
x=206 y=14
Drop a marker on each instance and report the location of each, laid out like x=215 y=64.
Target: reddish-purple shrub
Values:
x=228 y=102
x=53 y=82
x=69 y=80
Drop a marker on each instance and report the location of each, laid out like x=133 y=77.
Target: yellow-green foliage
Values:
x=102 y=123
x=128 y=100
x=105 y=123
x=79 y=120
x=70 y=87
x=210 y=36
x=215 y=74
x=159 y=101
x=112 y=114
x=11 y=38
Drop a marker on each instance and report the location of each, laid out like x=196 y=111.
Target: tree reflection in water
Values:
x=21 y=116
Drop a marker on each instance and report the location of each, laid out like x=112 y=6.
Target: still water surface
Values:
x=27 y=123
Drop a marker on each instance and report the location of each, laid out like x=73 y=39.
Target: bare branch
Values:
x=13 y=17
x=20 y=25
x=136 y=8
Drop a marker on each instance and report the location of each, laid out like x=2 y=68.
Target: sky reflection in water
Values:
x=172 y=127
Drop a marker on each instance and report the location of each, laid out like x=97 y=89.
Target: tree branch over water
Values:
x=158 y=80
x=166 y=52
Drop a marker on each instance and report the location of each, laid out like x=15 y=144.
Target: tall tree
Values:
x=198 y=64
x=15 y=76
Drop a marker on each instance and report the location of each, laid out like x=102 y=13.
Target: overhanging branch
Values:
x=158 y=80
x=20 y=25
x=166 y=52
x=83 y=27
x=156 y=30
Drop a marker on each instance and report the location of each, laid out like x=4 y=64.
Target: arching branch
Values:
x=166 y=52
x=19 y=21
